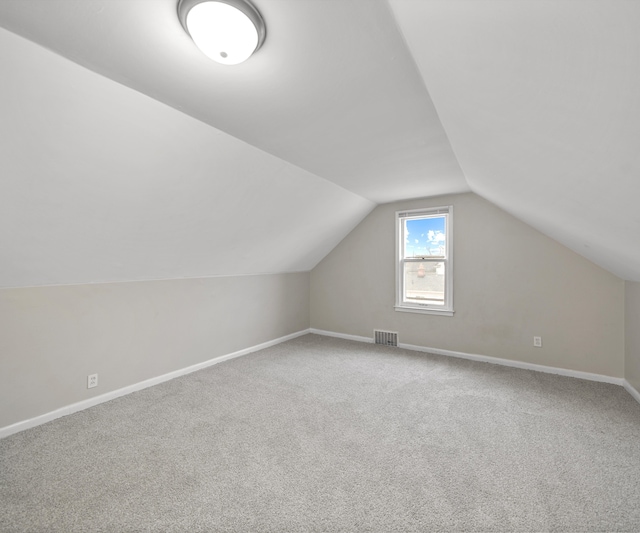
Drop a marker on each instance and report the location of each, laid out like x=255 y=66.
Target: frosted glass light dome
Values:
x=227 y=31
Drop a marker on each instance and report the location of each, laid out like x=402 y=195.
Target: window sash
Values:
x=429 y=288
x=403 y=236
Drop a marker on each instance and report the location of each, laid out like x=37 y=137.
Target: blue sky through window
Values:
x=424 y=236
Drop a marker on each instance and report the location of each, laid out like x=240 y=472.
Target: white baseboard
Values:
x=518 y=364
x=631 y=390
x=356 y=338
x=85 y=404
x=487 y=359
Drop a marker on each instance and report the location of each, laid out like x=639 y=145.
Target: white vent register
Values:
x=387 y=338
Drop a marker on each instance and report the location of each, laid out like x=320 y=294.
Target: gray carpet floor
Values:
x=320 y=434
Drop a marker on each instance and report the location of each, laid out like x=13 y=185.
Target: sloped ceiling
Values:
x=333 y=90
x=289 y=151
x=154 y=162
x=101 y=183
x=541 y=102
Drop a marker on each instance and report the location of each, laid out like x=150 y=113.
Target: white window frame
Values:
x=413 y=307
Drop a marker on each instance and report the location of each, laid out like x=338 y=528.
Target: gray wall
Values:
x=510 y=283
x=51 y=338
x=632 y=334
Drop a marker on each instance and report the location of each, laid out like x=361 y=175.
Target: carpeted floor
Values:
x=320 y=434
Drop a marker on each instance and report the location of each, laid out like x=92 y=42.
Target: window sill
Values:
x=423 y=310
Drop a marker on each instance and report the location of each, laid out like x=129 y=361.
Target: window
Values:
x=424 y=267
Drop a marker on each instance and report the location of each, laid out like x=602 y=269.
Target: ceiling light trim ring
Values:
x=246 y=7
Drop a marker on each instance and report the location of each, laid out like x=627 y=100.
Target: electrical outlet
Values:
x=537 y=342
x=92 y=381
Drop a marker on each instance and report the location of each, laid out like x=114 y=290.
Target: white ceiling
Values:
x=349 y=103
x=101 y=183
x=541 y=102
x=333 y=89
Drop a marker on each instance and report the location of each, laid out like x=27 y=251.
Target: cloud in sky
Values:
x=435 y=237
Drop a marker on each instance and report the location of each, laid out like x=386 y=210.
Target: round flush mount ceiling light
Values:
x=227 y=31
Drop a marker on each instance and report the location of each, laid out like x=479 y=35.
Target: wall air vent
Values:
x=387 y=338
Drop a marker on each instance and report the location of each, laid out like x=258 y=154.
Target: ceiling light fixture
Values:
x=227 y=31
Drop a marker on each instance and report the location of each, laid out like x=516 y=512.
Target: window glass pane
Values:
x=424 y=237
x=424 y=282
